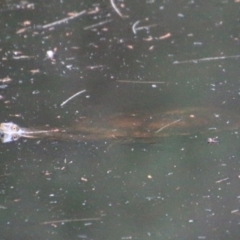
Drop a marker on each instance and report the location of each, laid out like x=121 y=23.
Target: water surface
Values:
x=179 y=187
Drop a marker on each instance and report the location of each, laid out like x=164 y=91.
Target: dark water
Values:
x=178 y=188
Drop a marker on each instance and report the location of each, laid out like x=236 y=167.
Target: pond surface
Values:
x=133 y=59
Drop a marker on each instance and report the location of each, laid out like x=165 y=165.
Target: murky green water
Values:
x=178 y=187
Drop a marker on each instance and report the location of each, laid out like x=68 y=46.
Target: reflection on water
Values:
x=128 y=159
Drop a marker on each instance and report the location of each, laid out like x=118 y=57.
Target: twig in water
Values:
x=222 y=180
x=142 y=82
x=159 y=130
x=206 y=59
x=73 y=96
x=97 y=24
x=167 y=35
x=64 y=20
x=95 y=67
x=135 y=28
x=71 y=220
x=22 y=57
x=117 y=10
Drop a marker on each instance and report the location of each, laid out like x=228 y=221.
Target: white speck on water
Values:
x=51 y=195
x=216 y=115
x=198 y=43
x=150 y=1
x=127 y=237
x=82 y=236
x=87 y=224
x=180 y=15
x=208 y=210
x=190 y=221
x=150 y=198
x=154 y=85
x=50 y=54
x=35 y=92
x=69 y=67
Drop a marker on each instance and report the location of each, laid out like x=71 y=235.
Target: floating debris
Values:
x=206 y=59
x=213 y=140
x=97 y=24
x=222 y=180
x=49 y=25
x=141 y=82
x=6 y=79
x=159 y=130
x=71 y=220
x=167 y=35
x=117 y=10
x=51 y=54
x=73 y=96
x=135 y=28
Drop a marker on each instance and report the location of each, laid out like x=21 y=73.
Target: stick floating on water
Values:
x=64 y=20
x=73 y=96
x=117 y=10
x=206 y=59
x=97 y=24
x=71 y=220
x=159 y=130
x=135 y=28
x=46 y=26
x=141 y=82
